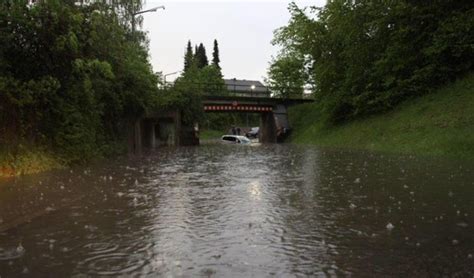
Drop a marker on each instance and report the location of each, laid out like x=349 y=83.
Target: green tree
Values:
x=188 y=56
x=215 y=55
x=286 y=77
x=365 y=57
x=201 y=57
x=70 y=76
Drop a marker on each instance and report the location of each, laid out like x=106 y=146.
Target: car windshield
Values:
x=243 y=139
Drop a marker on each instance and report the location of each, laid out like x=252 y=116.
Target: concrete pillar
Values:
x=131 y=136
x=138 y=137
x=148 y=133
x=152 y=136
x=267 y=132
x=134 y=136
x=177 y=125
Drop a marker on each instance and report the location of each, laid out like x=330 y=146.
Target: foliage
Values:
x=188 y=56
x=363 y=57
x=286 y=77
x=70 y=76
x=200 y=57
x=438 y=124
x=215 y=55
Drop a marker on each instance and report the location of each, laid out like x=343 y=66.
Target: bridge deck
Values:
x=258 y=101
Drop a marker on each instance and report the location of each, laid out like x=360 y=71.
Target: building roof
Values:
x=239 y=85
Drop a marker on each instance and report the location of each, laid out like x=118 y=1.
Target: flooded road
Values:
x=243 y=211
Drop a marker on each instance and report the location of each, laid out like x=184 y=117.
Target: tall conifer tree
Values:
x=188 y=57
x=215 y=55
x=201 y=57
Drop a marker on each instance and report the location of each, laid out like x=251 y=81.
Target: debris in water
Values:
x=352 y=206
x=357 y=180
x=20 y=249
x=390 y=226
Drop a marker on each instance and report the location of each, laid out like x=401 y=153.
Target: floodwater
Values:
x=242 y=211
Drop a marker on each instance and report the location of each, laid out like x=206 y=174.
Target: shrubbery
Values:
x=70 y=76
x=363 y=57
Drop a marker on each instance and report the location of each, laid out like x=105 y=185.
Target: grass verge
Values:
x=27 y=161
x=208 y=134
x=438 y=124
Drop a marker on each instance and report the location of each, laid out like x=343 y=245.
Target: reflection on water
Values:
x=242 y=211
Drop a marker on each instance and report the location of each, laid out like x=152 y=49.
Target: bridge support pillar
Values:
x=267 y=132
x=134 y=136
x=149 y=137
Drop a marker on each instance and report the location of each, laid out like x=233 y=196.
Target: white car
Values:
x=235 y=139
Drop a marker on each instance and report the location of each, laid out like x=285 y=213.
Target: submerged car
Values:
x=235 y=139
x=253 y=132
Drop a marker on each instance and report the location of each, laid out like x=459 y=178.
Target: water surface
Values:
x=243 y=211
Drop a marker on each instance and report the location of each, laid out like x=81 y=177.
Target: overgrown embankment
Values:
x=71 y=76
x=29 y=160
x=439 y=124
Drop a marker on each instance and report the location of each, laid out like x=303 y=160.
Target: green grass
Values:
x=438 y=124
x=210 y=134
x=28 y=160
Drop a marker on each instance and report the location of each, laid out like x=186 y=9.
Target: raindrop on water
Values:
x=20 y=248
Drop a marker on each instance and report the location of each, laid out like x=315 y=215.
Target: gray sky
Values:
x=243 y=29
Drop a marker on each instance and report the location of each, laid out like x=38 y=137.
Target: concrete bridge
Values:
x=166 y=128
x=273 y=112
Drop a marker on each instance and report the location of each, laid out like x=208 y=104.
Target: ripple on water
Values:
x=11 y=253
x=112 y=264
x=100 y=248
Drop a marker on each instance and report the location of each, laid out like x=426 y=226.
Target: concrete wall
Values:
x=267 y=132
x=159 y=129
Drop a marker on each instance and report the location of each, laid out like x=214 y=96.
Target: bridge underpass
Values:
x=274 y=123
x=166 y=128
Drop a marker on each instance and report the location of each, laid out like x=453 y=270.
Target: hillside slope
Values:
x=438 y=124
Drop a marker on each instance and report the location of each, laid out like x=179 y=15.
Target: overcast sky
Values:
x=244 y=30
